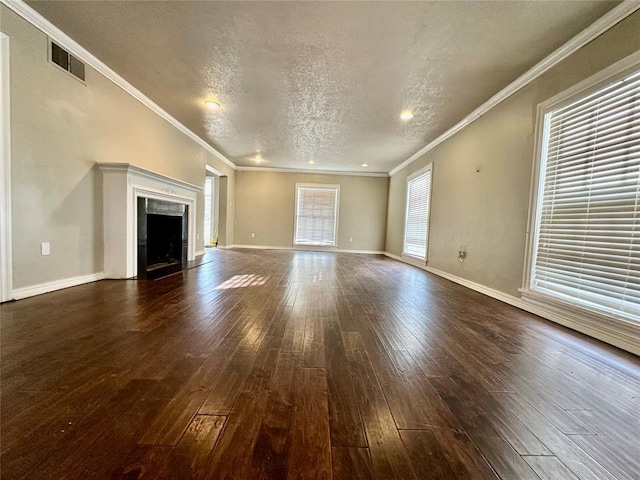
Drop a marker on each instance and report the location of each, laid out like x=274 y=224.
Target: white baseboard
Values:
x=308 y=249
x=260 y=247
x=365 y=252
x=24 y=292
x=622 y=336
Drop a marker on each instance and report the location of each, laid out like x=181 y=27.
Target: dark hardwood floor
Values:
x=292 y=365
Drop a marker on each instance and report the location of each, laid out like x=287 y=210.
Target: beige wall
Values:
x=266 y=207
x=60 y=129
x=485 y=213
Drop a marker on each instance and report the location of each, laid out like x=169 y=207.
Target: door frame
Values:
x=6 y=276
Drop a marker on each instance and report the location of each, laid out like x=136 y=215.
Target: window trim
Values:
x=609 y=75
x=416 y=174
x=327 y=186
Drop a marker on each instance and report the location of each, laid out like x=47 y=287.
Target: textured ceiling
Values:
x=320 y=80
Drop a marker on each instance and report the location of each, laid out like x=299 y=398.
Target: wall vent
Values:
x=66 y=61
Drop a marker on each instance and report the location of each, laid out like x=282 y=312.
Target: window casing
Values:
x=316 y=221
x=585 y=248
x=416 y=226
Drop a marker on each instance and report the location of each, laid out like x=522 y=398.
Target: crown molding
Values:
x=604 y=23
x=65 y=41
x=310 y=172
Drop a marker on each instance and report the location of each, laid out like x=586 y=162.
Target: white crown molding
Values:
x=65 y=41
x=217 y=173
x=312 y=172
x=618 y=333
x=604 y=23
x=20 y=293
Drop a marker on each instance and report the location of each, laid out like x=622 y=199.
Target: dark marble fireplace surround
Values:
x=162 y=237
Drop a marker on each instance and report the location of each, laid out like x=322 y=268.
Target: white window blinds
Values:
x=316 y=215
x=587 y=249
x=416 y=230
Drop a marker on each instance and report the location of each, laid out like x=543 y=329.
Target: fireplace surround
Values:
x=125 y=188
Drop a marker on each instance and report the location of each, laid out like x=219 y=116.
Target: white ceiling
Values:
x=320 y=80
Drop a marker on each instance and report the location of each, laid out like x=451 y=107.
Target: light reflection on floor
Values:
x=240 y=281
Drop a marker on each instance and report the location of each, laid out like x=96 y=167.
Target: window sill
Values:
x=617 y=331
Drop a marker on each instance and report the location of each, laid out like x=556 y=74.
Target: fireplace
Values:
x=149 y=222
x=162 y=237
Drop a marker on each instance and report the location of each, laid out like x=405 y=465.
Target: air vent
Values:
x=66 y=61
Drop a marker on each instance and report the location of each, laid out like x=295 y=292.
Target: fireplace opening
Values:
x=162 y=237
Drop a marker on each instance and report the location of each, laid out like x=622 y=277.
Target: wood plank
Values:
x=351 y=463
x=313 y=351
x=388 y=456
x=550 y=468
x=273 y=445
x=171 y=423
x=189 y=457
x=239 y=435
x=462 y=398
x=143 y=463
x=576 y=459
x=429 y=458
x=311 y=448
x=345 y=422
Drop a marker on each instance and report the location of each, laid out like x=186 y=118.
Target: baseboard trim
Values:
x=364 y=252
x=308 y=249
x=623 y=338
x=25 y=292
x=199 y=253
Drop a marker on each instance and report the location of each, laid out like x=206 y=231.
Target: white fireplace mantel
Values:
x=122 y=185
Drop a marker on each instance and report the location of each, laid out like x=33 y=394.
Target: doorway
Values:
x=211 y=209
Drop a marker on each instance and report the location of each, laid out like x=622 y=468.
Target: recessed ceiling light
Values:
x=311 y=162
x=364 y=165
x=211 y=105
x=258 y=158
x=406 y=115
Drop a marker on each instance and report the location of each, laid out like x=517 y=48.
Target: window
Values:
x=316 y=214
x=416 y=230
x=586 y=245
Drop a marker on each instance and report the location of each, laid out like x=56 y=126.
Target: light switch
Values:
x=45 y=248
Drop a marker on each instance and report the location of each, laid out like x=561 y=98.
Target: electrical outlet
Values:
x=45 y=248
x=197 y=236
x=462 y=255
x=253 y=235
x=351 y=239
